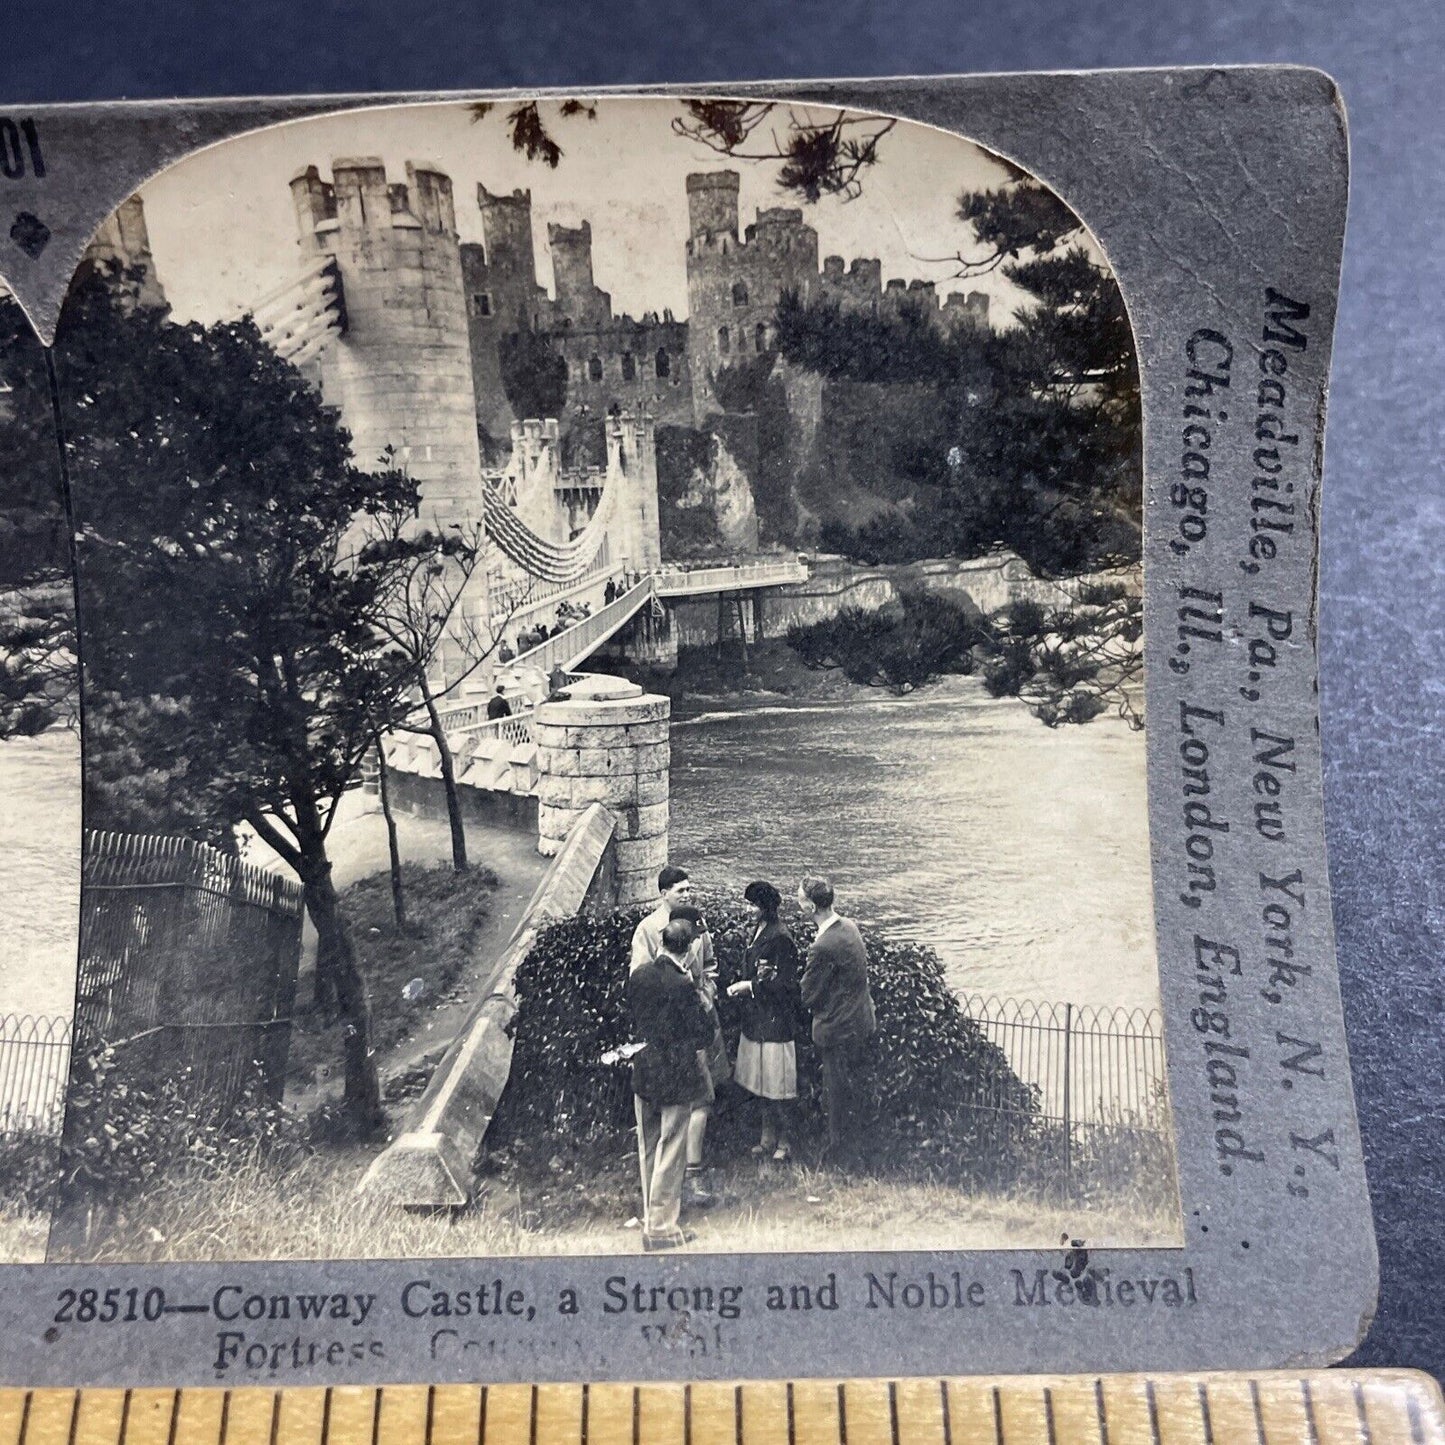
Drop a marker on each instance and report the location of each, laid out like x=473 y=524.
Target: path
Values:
x=357 y=846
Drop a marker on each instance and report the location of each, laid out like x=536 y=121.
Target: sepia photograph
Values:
x=607 y=640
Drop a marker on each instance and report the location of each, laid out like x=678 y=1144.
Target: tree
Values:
x=420 y=614
x=534 y=374
x=232 y=671
x=39 y=683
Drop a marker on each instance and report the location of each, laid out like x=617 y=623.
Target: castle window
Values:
x=481 y=304
x=594 y=368
x=724 y=341
x=629 y=367
x=762 y=336
x=740 y=293
x=664 y=362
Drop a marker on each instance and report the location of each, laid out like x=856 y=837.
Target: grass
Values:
x=312 y=1211
x=445 y=913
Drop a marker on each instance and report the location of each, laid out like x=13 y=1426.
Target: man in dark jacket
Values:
x=834 y=987
x=669 y=1020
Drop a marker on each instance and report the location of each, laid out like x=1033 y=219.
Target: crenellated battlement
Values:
x=359 y=197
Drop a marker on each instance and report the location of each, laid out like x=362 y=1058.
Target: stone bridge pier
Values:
x=608 y=744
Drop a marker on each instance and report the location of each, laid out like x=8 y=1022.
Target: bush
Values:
x=946 y=1101
x=901 y=647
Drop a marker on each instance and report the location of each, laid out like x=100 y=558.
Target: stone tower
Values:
x=712 y=206
x=632 y=467
x=510 y=259
x=734 y=284
x=578 y=297
x=123 y=240
x=401 y=373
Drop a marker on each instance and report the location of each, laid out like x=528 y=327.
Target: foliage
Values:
x=928 y=1063
x=39 y=682
x=233 y=666
x=684 y=457
x=900 y=647
x=1071 y=664
x=29 y=1168
x=126 y=1129
x=446 y=912
x=534 y=374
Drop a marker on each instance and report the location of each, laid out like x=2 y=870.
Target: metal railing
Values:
x=570 y=647
x=34 y=1067
x=1092 y=1067
x=679 y=581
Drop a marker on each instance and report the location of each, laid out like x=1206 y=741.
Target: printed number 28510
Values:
x=114 y=1306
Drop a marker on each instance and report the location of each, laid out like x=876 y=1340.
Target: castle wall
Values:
x=123 y=239
x=607 y=349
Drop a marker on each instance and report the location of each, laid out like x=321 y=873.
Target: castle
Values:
x=735 y=279
x=406 y=330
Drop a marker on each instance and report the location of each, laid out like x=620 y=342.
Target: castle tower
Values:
x=401 y=373
x=632 y=463
x=578 y=298
x=734 y=285
x=510 y=258
x=123 y=240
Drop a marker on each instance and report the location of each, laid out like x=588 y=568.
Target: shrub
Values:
x=901 y=647
x=946 y=1101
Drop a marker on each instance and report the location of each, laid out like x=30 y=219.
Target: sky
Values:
x=224 y=234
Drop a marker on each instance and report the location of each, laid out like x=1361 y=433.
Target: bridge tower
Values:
x=632 y=467
x=401 y=371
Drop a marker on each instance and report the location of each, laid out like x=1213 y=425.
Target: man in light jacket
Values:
x=834 y=987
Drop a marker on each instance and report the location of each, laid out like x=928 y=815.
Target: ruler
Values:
x=1369 y=1407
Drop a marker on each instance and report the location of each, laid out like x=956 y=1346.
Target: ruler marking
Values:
x=25 y=1417
x=843 y=1414
x=275 y=1416
x=376 y=1419
x=482 y=1417
x=792 y=1431
x=124 y=1417
x=737 y=1415
x=586 y=1405
x=175 y=1418
x=1101 y=1411
x=1204 y=1414
x=1309 y=1403
x=431 y=1406
x=75 y=1418
x=947 y=1422
x=226 y=1418
x=1362 y=1415
x=1258 y=1412
x=531 y=1419
x=326 y=1417
x=997 y=1416
x=636 y=1416
x=686 y=1415
x=1417 y=1425
x=1153 y=1412
x=1049 y=1415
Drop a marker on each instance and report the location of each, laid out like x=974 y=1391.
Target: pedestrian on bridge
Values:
x=497 y=706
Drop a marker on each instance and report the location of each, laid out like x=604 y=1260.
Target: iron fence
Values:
x=34 y=1064
x=1089 y=1068
x=188 y=962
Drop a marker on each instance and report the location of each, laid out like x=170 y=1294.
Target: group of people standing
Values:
x=672 y=994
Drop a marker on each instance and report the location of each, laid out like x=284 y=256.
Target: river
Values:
x=1019 y=852
x=39 y=872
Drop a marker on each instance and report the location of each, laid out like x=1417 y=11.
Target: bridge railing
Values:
x=679 y=581
x=576 y=642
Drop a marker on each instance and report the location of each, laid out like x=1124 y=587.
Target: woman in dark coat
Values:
x=767 y=1063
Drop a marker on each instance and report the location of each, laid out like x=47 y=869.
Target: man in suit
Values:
x=668 y=1079
x=834 y=987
